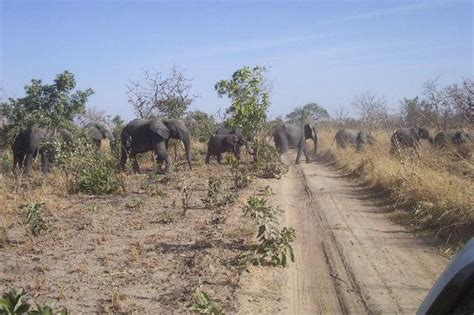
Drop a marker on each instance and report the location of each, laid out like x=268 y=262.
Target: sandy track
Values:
x=350 y=257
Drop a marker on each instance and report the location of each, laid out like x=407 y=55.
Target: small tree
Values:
x=161 y=94
x=372 y=109
x=117 y=125
x=250 y=96
x=47 y=105
x=201 y=125
x=309 y=113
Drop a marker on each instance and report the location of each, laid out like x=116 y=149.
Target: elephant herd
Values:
x=153 y=134
x=138 y=136
x=402 y=139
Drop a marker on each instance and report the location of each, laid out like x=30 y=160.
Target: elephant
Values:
x=143 y=135
x=447 y=138
x=29 y=143
x=288 y=136
x=100 y=131
x=177 y=130
x=409 y=138
x=219 y=144
x=346 y=137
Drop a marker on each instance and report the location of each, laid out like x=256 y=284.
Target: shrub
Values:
x=274 y=245
x=6 y=163
x=12 y=302
x=215 y=191
x=240 y=175
x=214 y=188
x=35 y=221
x=204 y=305
x=268 y=163
x=91 y=171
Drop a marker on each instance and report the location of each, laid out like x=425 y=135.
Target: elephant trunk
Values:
x=187 y=148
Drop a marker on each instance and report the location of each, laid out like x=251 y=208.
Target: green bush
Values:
x=240 y=176
x=217 y=196
x=274 y=245
x=92 y=172
x=268 y=163
x=35 y=220
x=204 y=305
x=6 y=163
x=12 y=303
x=98 y=176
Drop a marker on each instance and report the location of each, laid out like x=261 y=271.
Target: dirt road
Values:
x=350 y=257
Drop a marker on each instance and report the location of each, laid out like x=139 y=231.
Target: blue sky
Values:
x=316 y=51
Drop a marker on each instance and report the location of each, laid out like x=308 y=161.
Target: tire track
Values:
x=350 y=258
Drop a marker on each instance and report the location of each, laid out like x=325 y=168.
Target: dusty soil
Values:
x=132 y=252
x=350 y=257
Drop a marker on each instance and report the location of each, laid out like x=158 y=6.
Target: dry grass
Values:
x=105 y=252
x=436 y=188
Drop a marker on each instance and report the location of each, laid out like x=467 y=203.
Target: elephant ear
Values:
x=94 y=131
x=158 y=127
x=105 y=130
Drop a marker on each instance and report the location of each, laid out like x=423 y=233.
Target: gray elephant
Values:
x=348 y=137
x=30 y=142
x=177 y=130
x=288 y=136
x=143 y=135
x=100 y=131
x=409 y=138
x=219 y=144
x=447 y=138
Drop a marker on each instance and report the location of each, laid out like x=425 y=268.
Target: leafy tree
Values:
x=47 y=105
x=201 y=125
x=310 y=112
x=118 y=124
x=250 y=96
x=161 y=94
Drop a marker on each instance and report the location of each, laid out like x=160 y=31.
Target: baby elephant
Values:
x=219 y=144
x=449 y=138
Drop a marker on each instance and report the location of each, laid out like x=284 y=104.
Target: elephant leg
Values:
x=17 y=161
x=305 y=151
x=298 y=154
x=136 y=167
x=123 y=158
x=27 y=163
x=220 y=157
x=162 y=155
x=45 y=163
x=208 y=157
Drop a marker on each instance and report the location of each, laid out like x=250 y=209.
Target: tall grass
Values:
x=435 y=188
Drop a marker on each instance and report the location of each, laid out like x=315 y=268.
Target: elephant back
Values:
x=158 y=127
x=99 y=130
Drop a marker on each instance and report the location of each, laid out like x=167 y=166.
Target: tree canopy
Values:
x=309 y=113
x=47 y=105
x=161 y=94
x=250 y=96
